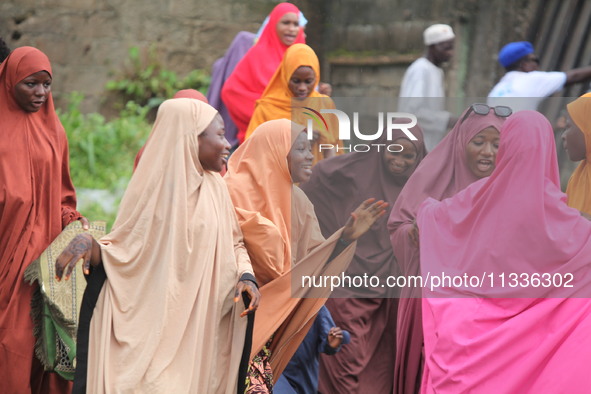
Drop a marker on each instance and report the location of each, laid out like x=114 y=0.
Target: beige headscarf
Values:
x=165 y=320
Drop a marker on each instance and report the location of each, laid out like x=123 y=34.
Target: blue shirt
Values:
x=301 y=374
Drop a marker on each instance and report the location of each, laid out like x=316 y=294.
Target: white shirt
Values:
x=424 y=81
x=531 y=88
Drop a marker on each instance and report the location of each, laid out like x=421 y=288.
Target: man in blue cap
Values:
x=524 y=80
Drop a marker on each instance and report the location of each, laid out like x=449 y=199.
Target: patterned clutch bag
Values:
x=55 y=306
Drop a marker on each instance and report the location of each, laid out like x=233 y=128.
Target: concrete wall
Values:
x=371 y=46
x=88 y=40
x=364 y=45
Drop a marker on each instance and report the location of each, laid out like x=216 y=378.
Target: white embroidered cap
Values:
x=435 y=34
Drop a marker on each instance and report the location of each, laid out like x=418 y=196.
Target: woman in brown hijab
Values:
x=284 y=241
x=166 y=319
x=337 y=185
x=37 y=200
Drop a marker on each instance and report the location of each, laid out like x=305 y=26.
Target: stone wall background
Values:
x=364 y=45
x=381 y=41
x=87 y=41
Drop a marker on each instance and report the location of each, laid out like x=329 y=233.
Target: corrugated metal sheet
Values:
x=561 y=39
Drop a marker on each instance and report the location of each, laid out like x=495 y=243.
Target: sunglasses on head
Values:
x=483 y=109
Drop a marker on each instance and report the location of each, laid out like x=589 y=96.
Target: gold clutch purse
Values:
x=55 y=306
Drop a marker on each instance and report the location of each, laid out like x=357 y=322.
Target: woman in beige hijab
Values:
x=166 y=319
x=284 y=241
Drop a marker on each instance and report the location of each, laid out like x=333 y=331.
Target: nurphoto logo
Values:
x=402 y=121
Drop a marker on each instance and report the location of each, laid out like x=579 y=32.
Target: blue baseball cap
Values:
x=514 y=51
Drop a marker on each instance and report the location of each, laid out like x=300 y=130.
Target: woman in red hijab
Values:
x=37 y=200
x=252 y=74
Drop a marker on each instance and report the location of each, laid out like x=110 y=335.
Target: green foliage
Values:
x=102 y=152
x=94 y=211
x=148 y=83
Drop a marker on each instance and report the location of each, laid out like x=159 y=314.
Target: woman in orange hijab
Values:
x=295 y=81
x=37 y=200
x=284 y=242
x=577 y=142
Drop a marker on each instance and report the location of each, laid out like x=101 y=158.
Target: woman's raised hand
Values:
x=363 y=218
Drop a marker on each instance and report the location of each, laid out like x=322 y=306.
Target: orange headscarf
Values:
x=260 y=185
x=283 y=239
x=37 y=200
x=277 y=99
x=579 y=184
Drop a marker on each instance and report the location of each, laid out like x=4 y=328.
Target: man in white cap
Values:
x=424 y=82
x=523 y=86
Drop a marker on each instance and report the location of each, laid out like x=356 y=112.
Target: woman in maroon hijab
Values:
x=465 y=155
x=37 y=200
x=338 y=184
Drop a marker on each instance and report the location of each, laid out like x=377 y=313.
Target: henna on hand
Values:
x=79 y=245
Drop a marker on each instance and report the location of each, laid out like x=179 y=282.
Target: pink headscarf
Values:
x=444 y=171
x=441 y=174
x=519 y=209
x=515 y=221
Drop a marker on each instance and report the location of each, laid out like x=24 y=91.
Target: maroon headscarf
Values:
x=191 y=93
x=340 y=184
x=337 y=186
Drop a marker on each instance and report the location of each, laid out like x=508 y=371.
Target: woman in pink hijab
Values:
x=465 y=155
x=515 y=224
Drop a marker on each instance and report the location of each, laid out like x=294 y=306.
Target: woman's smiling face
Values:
x=300 y=158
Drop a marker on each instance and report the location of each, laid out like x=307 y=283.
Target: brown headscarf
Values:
x=165 y=319
x=337 y=186
x=283 y=239
x=579 y=184
x=37 y=200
